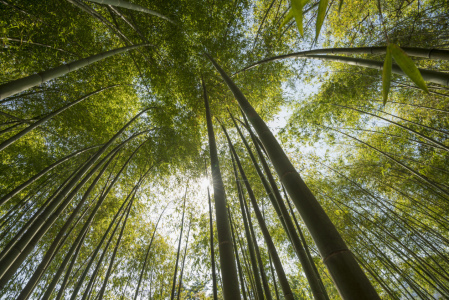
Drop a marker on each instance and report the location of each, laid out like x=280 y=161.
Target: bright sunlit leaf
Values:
x=297 y=6
x=408 y=66
x=287 y=18
x=320 y=17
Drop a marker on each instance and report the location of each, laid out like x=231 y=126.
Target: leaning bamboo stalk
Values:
x=132 y=6
x=148 y=251
x=316 y=286
x=349 y=278
x=172 y=296
x=93 y=278
x=411 y=170
x=183 y=261
x=49 y=216
x=288 y=294
x=239 y=267
x=228 y=268
x=77 y=286
x=257 y=283
x=303 y=239
x=22 y=133
x=212 y=252
x=411 y=51
x=46 y=260
x=428 y=75
x=14 y=192
x=111 y=264
x=22 y=84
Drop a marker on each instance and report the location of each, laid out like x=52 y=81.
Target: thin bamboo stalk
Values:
x=179 y=248
x=132 y=6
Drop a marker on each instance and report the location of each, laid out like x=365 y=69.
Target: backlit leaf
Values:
x=408 y=66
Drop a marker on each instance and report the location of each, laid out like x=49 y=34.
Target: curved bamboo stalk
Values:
x=22 y=84
x=351 y=281
x=22 y=133
x=428 y=75
x=125 y=4
x=227 y=260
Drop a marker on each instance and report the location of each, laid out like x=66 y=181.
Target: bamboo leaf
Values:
x=408 y=66
x=287 y=18
x=386 y=75
x=297 y=13
x=320 y=17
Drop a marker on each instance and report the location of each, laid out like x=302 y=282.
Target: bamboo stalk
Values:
x=22 y=84
x=428 y=75
x=227 y=260
x=349 y=278
x=132 y=6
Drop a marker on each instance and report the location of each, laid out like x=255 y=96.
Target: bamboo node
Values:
x=335 y=253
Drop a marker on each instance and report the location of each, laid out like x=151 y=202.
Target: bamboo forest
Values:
x=224 y=149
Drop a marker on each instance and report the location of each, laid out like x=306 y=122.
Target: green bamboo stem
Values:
x=81 y=278
x=239 y=267
x=288 y=294
x=43 y=265
x=15 y=191
x=428 y=75
x=172 y=296
x=304 y=242
x=34 y=125
x=148 y=251
x=131 y=6
x=111 y=263
x=52 y=212
x=183 y=262
x=349 y=278
x=22 y=84
x=251 y=249
x=212 y=252
x=317 y=288
x=228 y=268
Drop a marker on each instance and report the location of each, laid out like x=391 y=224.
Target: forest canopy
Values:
x=224 y=149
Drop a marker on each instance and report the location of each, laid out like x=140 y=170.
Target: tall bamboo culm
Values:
x=226 y=250
x=22 y=84
x=349 y=278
